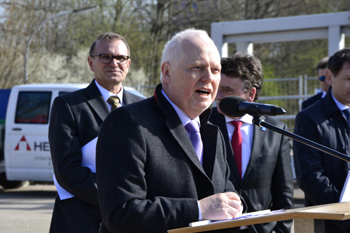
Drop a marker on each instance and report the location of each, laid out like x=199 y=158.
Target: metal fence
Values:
x=287 y=93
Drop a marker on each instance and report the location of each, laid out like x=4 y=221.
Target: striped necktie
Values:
x=114 y=101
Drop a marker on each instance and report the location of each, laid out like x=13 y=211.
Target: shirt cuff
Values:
x=199 y=212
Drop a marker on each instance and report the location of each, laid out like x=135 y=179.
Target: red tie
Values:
x=236 y=143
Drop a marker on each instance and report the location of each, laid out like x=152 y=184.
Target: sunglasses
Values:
x=322 y=78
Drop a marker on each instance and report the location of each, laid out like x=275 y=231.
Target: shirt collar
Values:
x=183 y=117
x=339 y=105
x=106 y=94
x=245 y=119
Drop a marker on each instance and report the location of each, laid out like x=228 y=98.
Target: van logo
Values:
x=23 y=139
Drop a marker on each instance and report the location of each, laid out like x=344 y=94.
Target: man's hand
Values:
x=221 y=206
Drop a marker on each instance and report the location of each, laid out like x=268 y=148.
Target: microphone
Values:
x=235 y=106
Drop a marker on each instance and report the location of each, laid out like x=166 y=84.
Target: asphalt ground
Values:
x=29 y=209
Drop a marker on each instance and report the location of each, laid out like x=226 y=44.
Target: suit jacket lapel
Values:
x=179 y=133
x=208 y=133
x=258 y=141
x=96 y=101
x=177 y=129
x=219 y=120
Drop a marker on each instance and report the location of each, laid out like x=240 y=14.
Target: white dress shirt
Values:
x=247 y=130
x=106 y=94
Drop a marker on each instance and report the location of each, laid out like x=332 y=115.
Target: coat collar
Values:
x=99 y=105
x=178 y=131
x=96 y=101
x=328 y=105
x=219 y=120
x=169 y=110
x=257 y=143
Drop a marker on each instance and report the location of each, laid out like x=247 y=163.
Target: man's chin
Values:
x=118 y=78
x=201 y=107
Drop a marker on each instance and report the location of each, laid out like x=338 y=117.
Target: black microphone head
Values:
x=279 y=111
x=230 y=106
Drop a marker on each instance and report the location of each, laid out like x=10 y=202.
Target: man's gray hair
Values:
x=173 y=46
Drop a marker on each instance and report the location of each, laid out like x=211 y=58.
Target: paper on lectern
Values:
x=345 y=193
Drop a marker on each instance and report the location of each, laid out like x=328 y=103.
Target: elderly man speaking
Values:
x=160 y=164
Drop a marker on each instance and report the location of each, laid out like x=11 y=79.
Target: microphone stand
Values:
x=260 y=121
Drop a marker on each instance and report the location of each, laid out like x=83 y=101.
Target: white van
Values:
x=26 y=146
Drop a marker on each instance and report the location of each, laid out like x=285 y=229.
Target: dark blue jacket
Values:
x=320 y=175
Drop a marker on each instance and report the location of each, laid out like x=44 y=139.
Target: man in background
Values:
x=259 y=158
x=326 y=122
x=75 y=122
x=321 y=71
x=160 y=165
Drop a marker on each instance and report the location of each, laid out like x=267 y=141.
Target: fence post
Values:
x=301 y=90
x=305 y=84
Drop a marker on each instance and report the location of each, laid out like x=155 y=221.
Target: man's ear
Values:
x=90 y=60
x=251 y=94
x=329 y=77
x=166 y=72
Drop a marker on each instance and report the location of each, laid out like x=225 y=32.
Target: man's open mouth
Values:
x=203 y=92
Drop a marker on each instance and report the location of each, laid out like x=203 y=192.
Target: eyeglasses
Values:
x=322 y=78
x=107 y=58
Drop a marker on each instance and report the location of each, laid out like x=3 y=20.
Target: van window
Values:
x=63 y=92
x=33 y=107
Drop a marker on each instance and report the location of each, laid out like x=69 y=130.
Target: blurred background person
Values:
x=321 y=71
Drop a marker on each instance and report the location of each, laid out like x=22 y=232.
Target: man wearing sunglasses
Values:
x=321 y=71
x=75 y=123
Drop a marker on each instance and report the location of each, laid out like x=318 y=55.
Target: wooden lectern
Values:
x=335 y=211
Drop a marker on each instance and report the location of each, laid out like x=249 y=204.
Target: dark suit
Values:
x=75 y=120
x=320 y=175
x=308 y=102
x=268 y=180
x=148 y=174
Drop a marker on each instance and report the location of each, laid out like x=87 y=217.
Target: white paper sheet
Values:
x=246 y=215
x=89 y=160
x=345 y=193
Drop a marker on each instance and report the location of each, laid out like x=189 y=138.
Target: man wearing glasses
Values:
x=75 y=122
x=321 y=71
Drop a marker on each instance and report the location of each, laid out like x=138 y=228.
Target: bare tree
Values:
x=59 y=49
